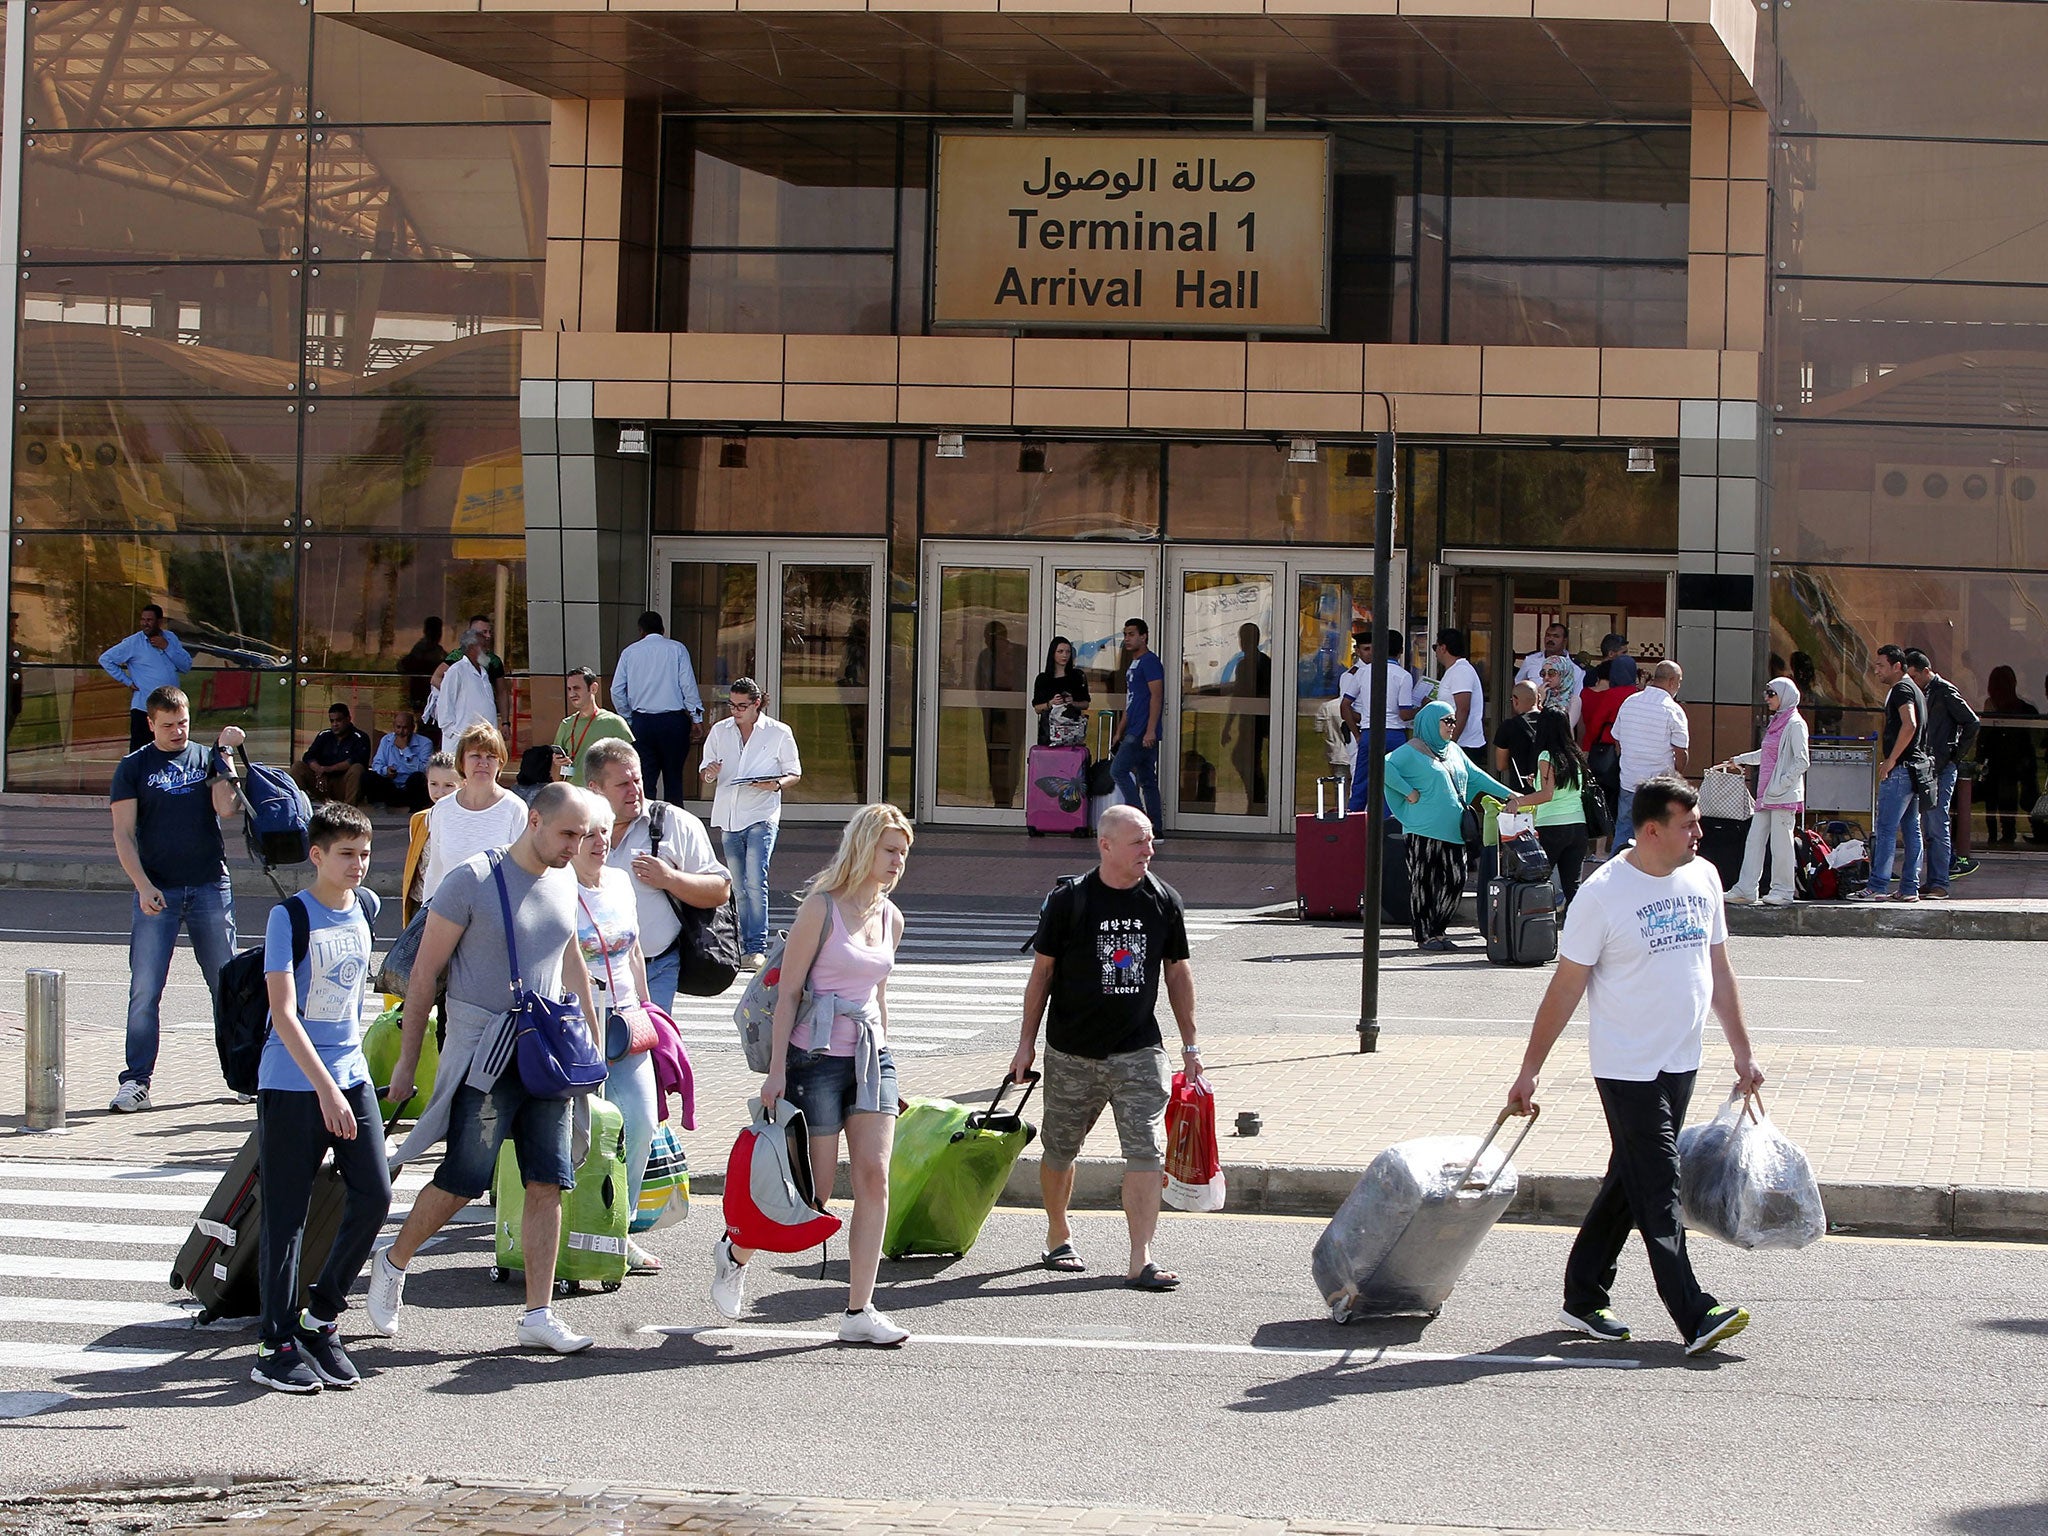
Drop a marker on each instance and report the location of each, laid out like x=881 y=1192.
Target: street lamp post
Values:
x=1376 y=730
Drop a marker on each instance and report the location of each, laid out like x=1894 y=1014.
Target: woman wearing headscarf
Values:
x=2009 y=777
x=1430 y=781
x=1780 y=764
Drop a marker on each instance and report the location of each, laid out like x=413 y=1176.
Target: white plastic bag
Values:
x=1515 y=823
x=1741 y=1179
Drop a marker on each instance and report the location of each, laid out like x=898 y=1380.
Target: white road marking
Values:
x=126 y=1234
x=26 y=1405
x=163 y=1174
x=44 y=1266
x=101 y=1200
x=1825 y=981
x=109 y=1314
x=1788 y=1029
x=1367 y=1356
x=69 y=1359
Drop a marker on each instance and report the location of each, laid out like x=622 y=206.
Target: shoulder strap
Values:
x=657 y=825
x=302 y=927
x=611 y=985
x=497 y=858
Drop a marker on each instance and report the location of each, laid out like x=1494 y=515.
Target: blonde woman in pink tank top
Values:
x=837 y=1067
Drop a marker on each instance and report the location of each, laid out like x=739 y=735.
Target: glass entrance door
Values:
x=798 y=621
x=990 y=614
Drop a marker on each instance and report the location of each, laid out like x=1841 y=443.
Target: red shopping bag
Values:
x=1194 y=1167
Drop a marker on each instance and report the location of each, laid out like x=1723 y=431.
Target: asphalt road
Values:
x=1884 y=1387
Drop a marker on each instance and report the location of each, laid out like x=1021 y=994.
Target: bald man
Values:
x=1651 y=731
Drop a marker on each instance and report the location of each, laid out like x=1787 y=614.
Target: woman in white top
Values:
x=481 y=815
x=1781 y=763
x=753 y=759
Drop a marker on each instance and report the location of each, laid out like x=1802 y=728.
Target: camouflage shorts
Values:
x=1134 y=1085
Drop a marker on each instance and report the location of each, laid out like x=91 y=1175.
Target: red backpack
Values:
x=1812 y=880
x=770 y=1200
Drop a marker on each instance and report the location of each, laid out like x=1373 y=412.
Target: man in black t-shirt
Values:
x=1904 y=776
x=1514 y=739
x=167 y=800
x=1103 y=943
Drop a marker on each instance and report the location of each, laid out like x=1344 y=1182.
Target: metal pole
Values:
x=1376 y=730
x=45 y=1054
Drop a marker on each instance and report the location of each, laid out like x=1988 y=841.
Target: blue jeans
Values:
x=630 y=1087
x=208 y=915
x=747 y=853
x=662 y=972
x=1136 y=771
x=1898 y=810
x=1624 y=821
x=1360 y=768
x=1940 y=833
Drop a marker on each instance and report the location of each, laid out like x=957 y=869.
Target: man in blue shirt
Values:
x=167 y=799
x=313 y=1092
x=398 y=773
x=1136 y=764
x=147 y=660
x=655 y=687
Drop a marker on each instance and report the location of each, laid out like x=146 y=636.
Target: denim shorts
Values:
x=479 y=1123
x=821 y=1086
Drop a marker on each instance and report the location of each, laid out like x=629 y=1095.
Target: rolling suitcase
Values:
x=1056 y=798
x=595 y=1215
x=1722 y=843
x=1102 y=790
x=1329 y=857
x=949 y=1168
x=1404 y=1235
x=1521 y=910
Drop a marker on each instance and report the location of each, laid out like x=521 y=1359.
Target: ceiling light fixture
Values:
x=732 y=453
x=1642 y=460
x=952 y=445
x=632 y=437
x=1302 y=450
x=1030 y=458
x=1358 y=464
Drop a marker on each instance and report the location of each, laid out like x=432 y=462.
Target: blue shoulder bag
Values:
x=551 y=1043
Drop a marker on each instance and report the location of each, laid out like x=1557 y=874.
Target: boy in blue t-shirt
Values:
x=313 y=1092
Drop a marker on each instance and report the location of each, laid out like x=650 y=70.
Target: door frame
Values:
x=1042 y=558
x=1287 y=563
x=1452 y=563
x=770 y=558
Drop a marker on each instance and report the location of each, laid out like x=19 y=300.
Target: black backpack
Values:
x=708 y=942
x=241 y=1004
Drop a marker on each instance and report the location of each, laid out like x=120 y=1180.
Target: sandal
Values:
x=1152 y=1278
x=639 y=1261
x=1063 y=1259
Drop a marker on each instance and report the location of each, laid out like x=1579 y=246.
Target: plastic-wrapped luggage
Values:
x=1741 y=1179
x=595 y=1215
x=1404 y=1235
x=948 y=1169
x=1056 y=798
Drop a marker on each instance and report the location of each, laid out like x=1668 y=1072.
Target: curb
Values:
x=87 y=875
x=1927 y=920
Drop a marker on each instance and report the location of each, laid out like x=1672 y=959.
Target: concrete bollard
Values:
x=45 y=1052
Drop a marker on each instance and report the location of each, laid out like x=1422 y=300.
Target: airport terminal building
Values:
x=875 y=342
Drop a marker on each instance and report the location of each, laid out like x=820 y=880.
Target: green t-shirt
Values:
x=1564 y=805
x=578 y=735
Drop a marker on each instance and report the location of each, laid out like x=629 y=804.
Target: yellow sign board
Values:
x=1132 y=231
x=489 y=521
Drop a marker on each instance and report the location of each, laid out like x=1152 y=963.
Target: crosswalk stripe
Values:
x=107 y=1172
x=101 y=1200
x=70 y=1359
x=74 y=1311
x=48 y=1266
x=124 y=1234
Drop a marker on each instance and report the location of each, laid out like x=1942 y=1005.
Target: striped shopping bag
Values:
x=665 y=1190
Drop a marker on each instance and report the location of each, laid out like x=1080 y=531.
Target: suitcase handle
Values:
x=978 y=1119
x=1465 y=1183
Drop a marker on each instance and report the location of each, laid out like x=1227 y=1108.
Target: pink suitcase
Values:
x=1056 y=798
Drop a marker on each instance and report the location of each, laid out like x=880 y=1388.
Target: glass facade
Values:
x=273 y=275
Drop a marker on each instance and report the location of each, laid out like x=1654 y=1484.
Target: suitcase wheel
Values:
x=566 y=1287
x=500 y=1274
x=611 y=1285
x=1033 y=832
x=1080 y=832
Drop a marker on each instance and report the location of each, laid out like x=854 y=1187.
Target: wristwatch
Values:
x=1190 y=1050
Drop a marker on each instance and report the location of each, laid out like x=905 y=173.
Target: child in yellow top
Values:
x=443 y=779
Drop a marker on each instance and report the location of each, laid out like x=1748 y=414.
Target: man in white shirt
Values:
x=1531 y=669
x=667 y=852
x=1646 y=944
x=1354 y=694
x=467 y=697
x=1458 y=686
x=655 y=688
x=753 y=759
x=1652 y=734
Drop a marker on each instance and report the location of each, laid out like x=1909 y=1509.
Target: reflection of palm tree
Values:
x=393 y=557
x=1129 y=466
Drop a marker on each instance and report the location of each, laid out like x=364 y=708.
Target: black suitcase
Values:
x=1521 y=922
x=1722 y=841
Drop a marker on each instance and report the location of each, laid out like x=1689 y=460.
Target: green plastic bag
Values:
x=948 y=1170
x=380 y=1051
x=594 y=1214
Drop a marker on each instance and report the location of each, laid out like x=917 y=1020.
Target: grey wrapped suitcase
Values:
x=1405 y=1234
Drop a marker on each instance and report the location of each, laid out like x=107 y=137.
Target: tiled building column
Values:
x=1723 y=573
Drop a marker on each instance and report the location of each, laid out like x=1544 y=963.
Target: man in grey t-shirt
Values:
x=472 y=1111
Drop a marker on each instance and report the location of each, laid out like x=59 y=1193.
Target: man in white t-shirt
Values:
x=1652 y=733
x=1354 y=694
x=1458 y=686
x=1646 y=944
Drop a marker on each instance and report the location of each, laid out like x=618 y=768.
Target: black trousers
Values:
x=293 y=1140
x=1566 y=843
x=1640 y=1191
x=139 y=733
x=409 y=792
x=664 y=744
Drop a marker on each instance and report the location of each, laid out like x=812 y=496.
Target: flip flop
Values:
x=1152 y=1278
x=1063 y=1259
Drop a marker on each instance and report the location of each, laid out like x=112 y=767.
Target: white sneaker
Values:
x=387 y=1295
x=1738 y=899
x=755 y=961
x=551 y=1333
x=130 y=1097
x=728 y=1282
x=1777 y=901
x=245 y=1098
x=867 y=1326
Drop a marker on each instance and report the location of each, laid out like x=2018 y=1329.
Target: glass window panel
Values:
x=1894 y=208
x=476 y=192
x=435 y=328
x=418 y=465
x=1909 y=351
x=228 y=599
x=372 y=702
x=1904 y=66
x=984 y=684
x=1374 y=194
x=818 y=182
x=1088 y=490
x=1325 y=607
x=1509 y=304
x=189 y=194
x=1369 y=301
x=1226 y=691
x=359 y=77
x=156 y=466
x=789 y=485
x=825 y=679
x=1558 y=498
x=1899 y=496
x=117 y=64
x=68 y=726
x=1535 y=192
x=160 y=330
x=1248 y=492
x=791 y=292
x=1090 y=606
x=365 y=598
x=714 y=608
